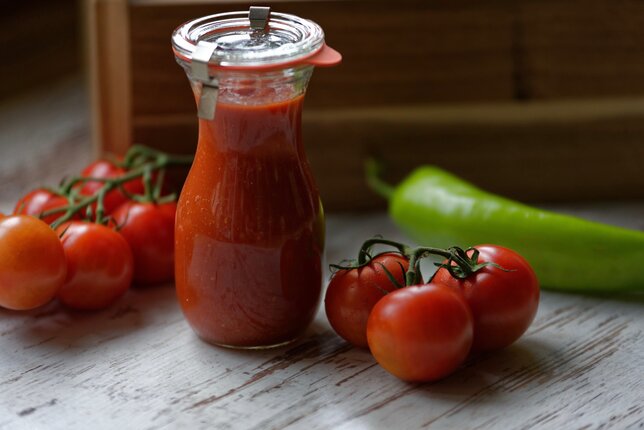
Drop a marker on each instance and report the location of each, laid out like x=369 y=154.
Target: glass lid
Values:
x=254 y=38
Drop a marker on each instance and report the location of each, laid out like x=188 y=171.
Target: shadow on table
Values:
x=493 y=380
x=321 y=347
x=317 y=345
x=529 y=361
x=54 y=326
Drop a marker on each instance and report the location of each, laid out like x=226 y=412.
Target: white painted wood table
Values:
x=138 y=365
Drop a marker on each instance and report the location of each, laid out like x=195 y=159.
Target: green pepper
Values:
x=436 y=208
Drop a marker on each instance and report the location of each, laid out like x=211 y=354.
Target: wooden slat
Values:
x=39 y=39
x=110 y=67
x=546 y=160
x=423 y=51
x=412 y=53
x=546 y=151
x=581 y=48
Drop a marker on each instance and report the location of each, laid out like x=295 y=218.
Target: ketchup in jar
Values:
x=250 y=226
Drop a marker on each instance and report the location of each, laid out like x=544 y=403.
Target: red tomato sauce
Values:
x=250 y=229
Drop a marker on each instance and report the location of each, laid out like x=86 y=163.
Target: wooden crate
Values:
x=29 y=62
x=538 y=100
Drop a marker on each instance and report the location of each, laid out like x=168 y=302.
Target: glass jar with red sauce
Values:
x=250 y=226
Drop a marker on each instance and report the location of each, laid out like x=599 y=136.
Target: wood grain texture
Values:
x=546 y=151
x=418 y=53
x=32 y=57
x=138 y=365
x=580 y=48
x=110 y=67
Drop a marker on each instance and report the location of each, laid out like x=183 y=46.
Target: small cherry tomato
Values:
x=503 y=302
x=99 y=266
x=32 y=263
x=149 y=230
x=38 y=201
x=353 y=293
x=104 y=169
x=421 y=332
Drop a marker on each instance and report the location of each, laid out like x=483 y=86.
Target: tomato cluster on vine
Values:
x=480 y=299
x=86 y=241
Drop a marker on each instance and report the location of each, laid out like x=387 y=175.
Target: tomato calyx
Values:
x=141 y=163
x=458 y=263
x=465 y=265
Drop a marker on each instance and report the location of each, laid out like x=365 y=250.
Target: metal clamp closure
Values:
x=258 y=16
x=210 y=86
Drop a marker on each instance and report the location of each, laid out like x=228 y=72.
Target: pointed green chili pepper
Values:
x=438 y=209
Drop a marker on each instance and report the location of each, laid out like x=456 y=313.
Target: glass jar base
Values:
x=251 y=347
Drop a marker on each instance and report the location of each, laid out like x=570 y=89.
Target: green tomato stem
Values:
x=365 y=250
x=464 y=265
x=141 y=161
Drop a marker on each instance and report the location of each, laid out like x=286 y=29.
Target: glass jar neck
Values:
x=253 y=88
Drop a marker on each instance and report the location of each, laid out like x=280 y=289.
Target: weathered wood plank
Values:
x=138 y=364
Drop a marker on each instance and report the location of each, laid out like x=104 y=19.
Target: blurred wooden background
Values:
x=41 y=40
x=538 y=100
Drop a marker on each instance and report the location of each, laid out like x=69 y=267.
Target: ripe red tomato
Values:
x=503 y=303
x=353 y=293
x=32 y=263
x=99 y=266
x=104 y=169
x=38 y=201
x=149 y=230
x=421 y=332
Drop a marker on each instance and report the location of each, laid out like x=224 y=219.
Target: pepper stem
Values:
x=375 y=182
